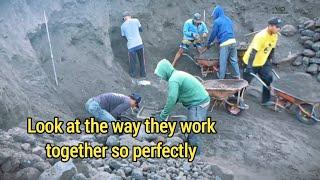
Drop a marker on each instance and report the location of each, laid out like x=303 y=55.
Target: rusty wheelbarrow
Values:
x=294 y=93
x=222 y=92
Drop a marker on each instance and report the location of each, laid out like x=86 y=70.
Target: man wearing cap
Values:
x=257 y=58
x=109 y=106
x=223 y=30
x=130 y=29
x=193 y=32
x=186 y=89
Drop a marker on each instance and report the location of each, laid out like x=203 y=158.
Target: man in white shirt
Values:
x=130 y=30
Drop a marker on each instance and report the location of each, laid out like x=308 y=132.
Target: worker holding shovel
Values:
x=257 y=58
x=184 y=88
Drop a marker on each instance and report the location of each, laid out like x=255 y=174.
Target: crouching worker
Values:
x=257 y=58
x=184 y=88
x=109 y=106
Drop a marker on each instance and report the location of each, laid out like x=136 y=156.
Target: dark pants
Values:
x=265 y=73
x=139 y=53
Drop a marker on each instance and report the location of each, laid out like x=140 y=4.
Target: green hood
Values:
x=164 y=69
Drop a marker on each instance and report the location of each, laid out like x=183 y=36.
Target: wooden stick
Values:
x=53 y=65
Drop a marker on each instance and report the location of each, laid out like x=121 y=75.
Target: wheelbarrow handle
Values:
x=260 y=80
x=199 y=78
x=275 y=73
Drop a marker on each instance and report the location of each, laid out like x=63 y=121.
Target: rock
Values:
x=68 y=174
x=11 y=165
x=303 y=39
x=314 y=61
x=316 y=46
x=25 y=146
x=288 y=30
x=298 y=61
x=317 y=30
x=289 y=58
x=137 y=174
x=310 y=24
x=174 y=141
x=88 y=138
x=113 y=141
x=186 y=167
x=21 y=135
x=38 y=150
x=318 y=54
x=312 y=69
x=97 y=163
x=79 y=176
x=114 y=164
x=120 y=172
x=309 y=53
x=42 y=166
x=302 y=20
x=86 y=169
x=30 y=160
x=308 y=44
x=29 y=173
x=127 y=170
x=305 y=61
x=316 y=37
x=129 y=141
x=318 y=77
x=102 y=138
x=101 y=175
x=5 y=154
x=308 y=33
x=317 y=22
x=58 y=170
x=143 y=136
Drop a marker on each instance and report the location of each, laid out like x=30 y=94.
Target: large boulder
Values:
x=309 y=53
x=316 y=46
x=308 y=33
x=316 y=37
x=303 y=39
x=312 y=69
x=21 y=135
x=308 y=44
x=310 y=24
x=289 y=58
x=29 y=173
x=314 y=61
x=59 y=170
x=298 y=61
x=288 y=30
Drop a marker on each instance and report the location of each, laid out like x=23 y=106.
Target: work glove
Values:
x=248 y=70
x=196 y=36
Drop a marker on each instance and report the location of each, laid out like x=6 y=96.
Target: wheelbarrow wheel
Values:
x=232 y=107
x=304 y=117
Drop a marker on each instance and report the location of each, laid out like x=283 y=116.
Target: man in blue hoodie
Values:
x=193 y=32
x=223 y=30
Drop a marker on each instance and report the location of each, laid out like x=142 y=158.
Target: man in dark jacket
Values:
x=223 y=30
x=110 y=106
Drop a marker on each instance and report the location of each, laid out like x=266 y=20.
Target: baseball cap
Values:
x=125 y=13
x=197 y=16
x=137 y=98
x=275 y=21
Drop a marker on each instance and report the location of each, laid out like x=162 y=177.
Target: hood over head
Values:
x=217 y=12
x=164 y=69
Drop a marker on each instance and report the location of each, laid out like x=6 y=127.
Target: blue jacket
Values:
x=222 y=26
x=189 y=28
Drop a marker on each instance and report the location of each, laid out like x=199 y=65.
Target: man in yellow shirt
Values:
x=259 y=54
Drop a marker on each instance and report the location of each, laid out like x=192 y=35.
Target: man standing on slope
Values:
x=223 y=30
x=257 y=58
x=184 y=88
x=193 y=32
x=130 y=30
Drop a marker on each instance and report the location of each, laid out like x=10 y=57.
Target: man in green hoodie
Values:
x=184 y=88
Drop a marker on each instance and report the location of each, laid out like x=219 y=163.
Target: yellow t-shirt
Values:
x=263 y=42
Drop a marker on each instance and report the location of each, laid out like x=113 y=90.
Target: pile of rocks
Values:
x=310 y=39
x=22 y=156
